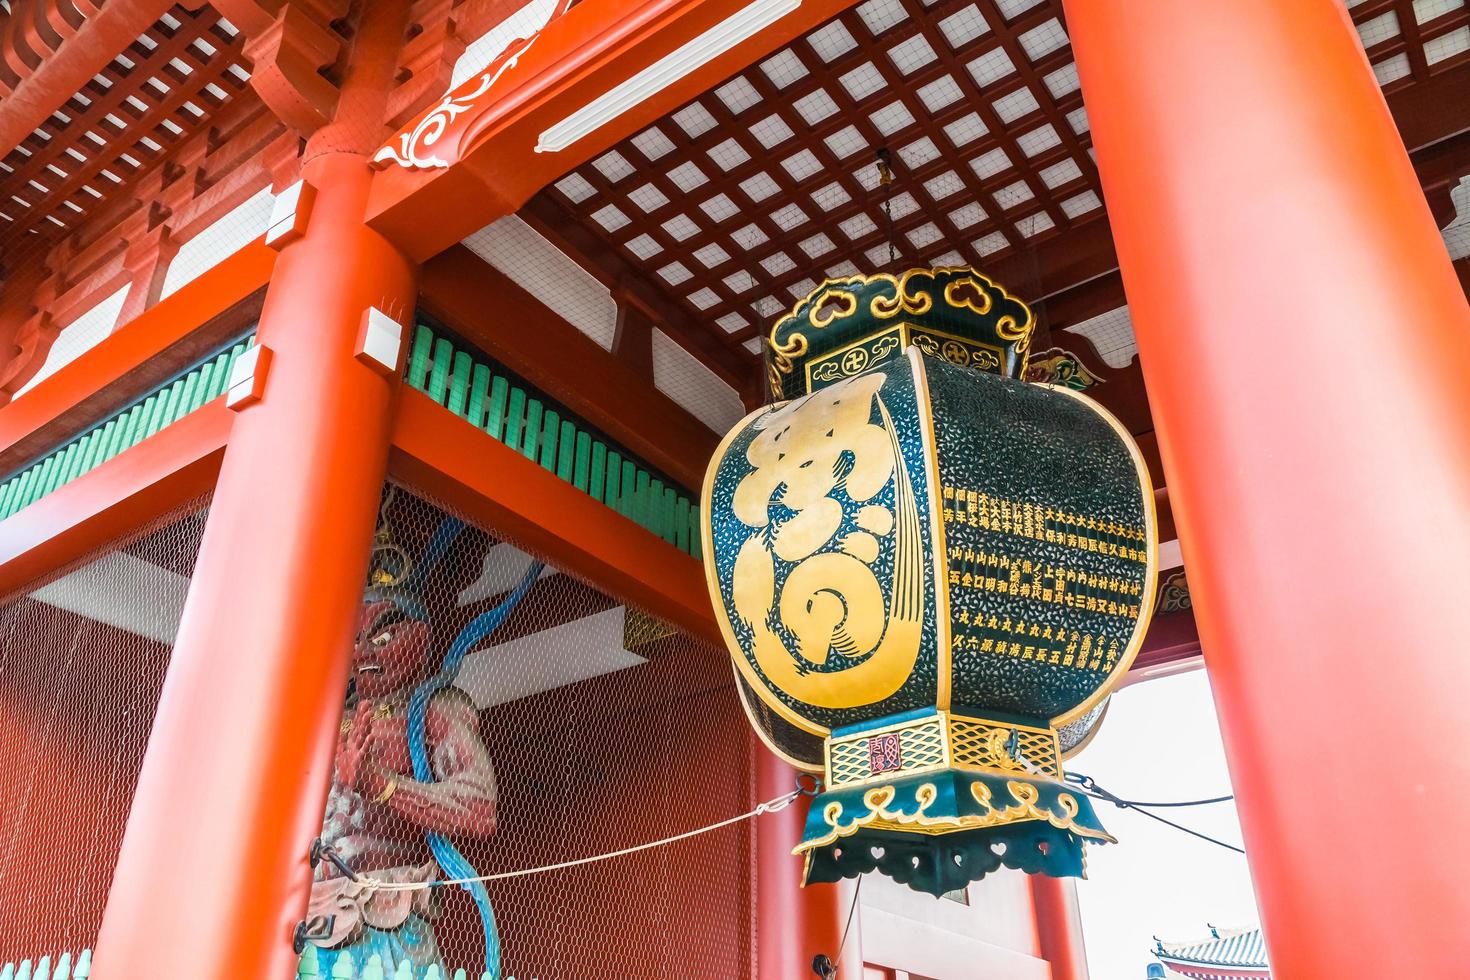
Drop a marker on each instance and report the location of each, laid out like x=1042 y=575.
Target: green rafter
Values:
x=124 y=429
x=481 y=392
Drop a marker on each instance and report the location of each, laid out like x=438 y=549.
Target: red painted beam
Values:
x=157 y=345
x=62 y=74
x=579 y=57
x=509 y=324
x=1431 y=110
x=1172 y=638
x=1439 y=168
x=170 y=468
x=455 y=463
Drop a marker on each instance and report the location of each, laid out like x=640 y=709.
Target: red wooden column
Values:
x=1292 y=300
x=1059 y=926
x=794 y=924
x=213 y=871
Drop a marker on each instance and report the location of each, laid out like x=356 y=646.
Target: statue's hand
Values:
x=374 y=779
x=355 y=747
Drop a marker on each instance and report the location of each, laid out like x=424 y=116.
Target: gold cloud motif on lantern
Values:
x=831 y=600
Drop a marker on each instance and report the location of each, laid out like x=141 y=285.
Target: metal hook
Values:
x=885 y=166
x=317 y=927
x=805 y=788
x=321 y=849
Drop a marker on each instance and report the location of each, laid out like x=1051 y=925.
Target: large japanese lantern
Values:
x=930 y=575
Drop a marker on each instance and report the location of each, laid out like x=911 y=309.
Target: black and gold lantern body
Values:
x=924 y=570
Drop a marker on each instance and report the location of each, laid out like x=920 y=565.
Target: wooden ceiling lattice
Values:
x=741 y=201
x=164 y=88
x=1407 y=41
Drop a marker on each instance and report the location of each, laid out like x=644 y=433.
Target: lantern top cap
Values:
x=847 y=325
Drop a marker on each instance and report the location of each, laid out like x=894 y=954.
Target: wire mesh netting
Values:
x=502 y=716
x=82 y=661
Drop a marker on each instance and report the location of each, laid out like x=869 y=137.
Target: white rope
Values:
x=780 y=803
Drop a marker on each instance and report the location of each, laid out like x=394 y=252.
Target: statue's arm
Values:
x=462 y=798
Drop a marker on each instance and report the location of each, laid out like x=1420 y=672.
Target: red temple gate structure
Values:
x=256 y=256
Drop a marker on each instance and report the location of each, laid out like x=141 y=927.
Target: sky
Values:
x=1160 y=741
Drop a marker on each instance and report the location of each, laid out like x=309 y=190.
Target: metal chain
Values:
x=885 y=180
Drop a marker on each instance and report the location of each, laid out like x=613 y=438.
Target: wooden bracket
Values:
x=379 y=342
x=289 y=215
x=247 y=379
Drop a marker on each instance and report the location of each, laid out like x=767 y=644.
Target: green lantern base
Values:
x=940 y=831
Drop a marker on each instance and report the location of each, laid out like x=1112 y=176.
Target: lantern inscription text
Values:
x=979 y=510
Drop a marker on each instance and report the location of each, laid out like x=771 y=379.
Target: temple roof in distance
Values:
x=1240 y=951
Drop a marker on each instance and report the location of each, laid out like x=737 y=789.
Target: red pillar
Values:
x=213 y=871
x=794 y=924
x=1303 y=336
x=1059 y=926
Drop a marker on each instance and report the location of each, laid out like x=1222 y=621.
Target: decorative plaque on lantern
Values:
x=930 y=575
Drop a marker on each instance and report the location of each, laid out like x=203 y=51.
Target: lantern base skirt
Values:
x=940 y=831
